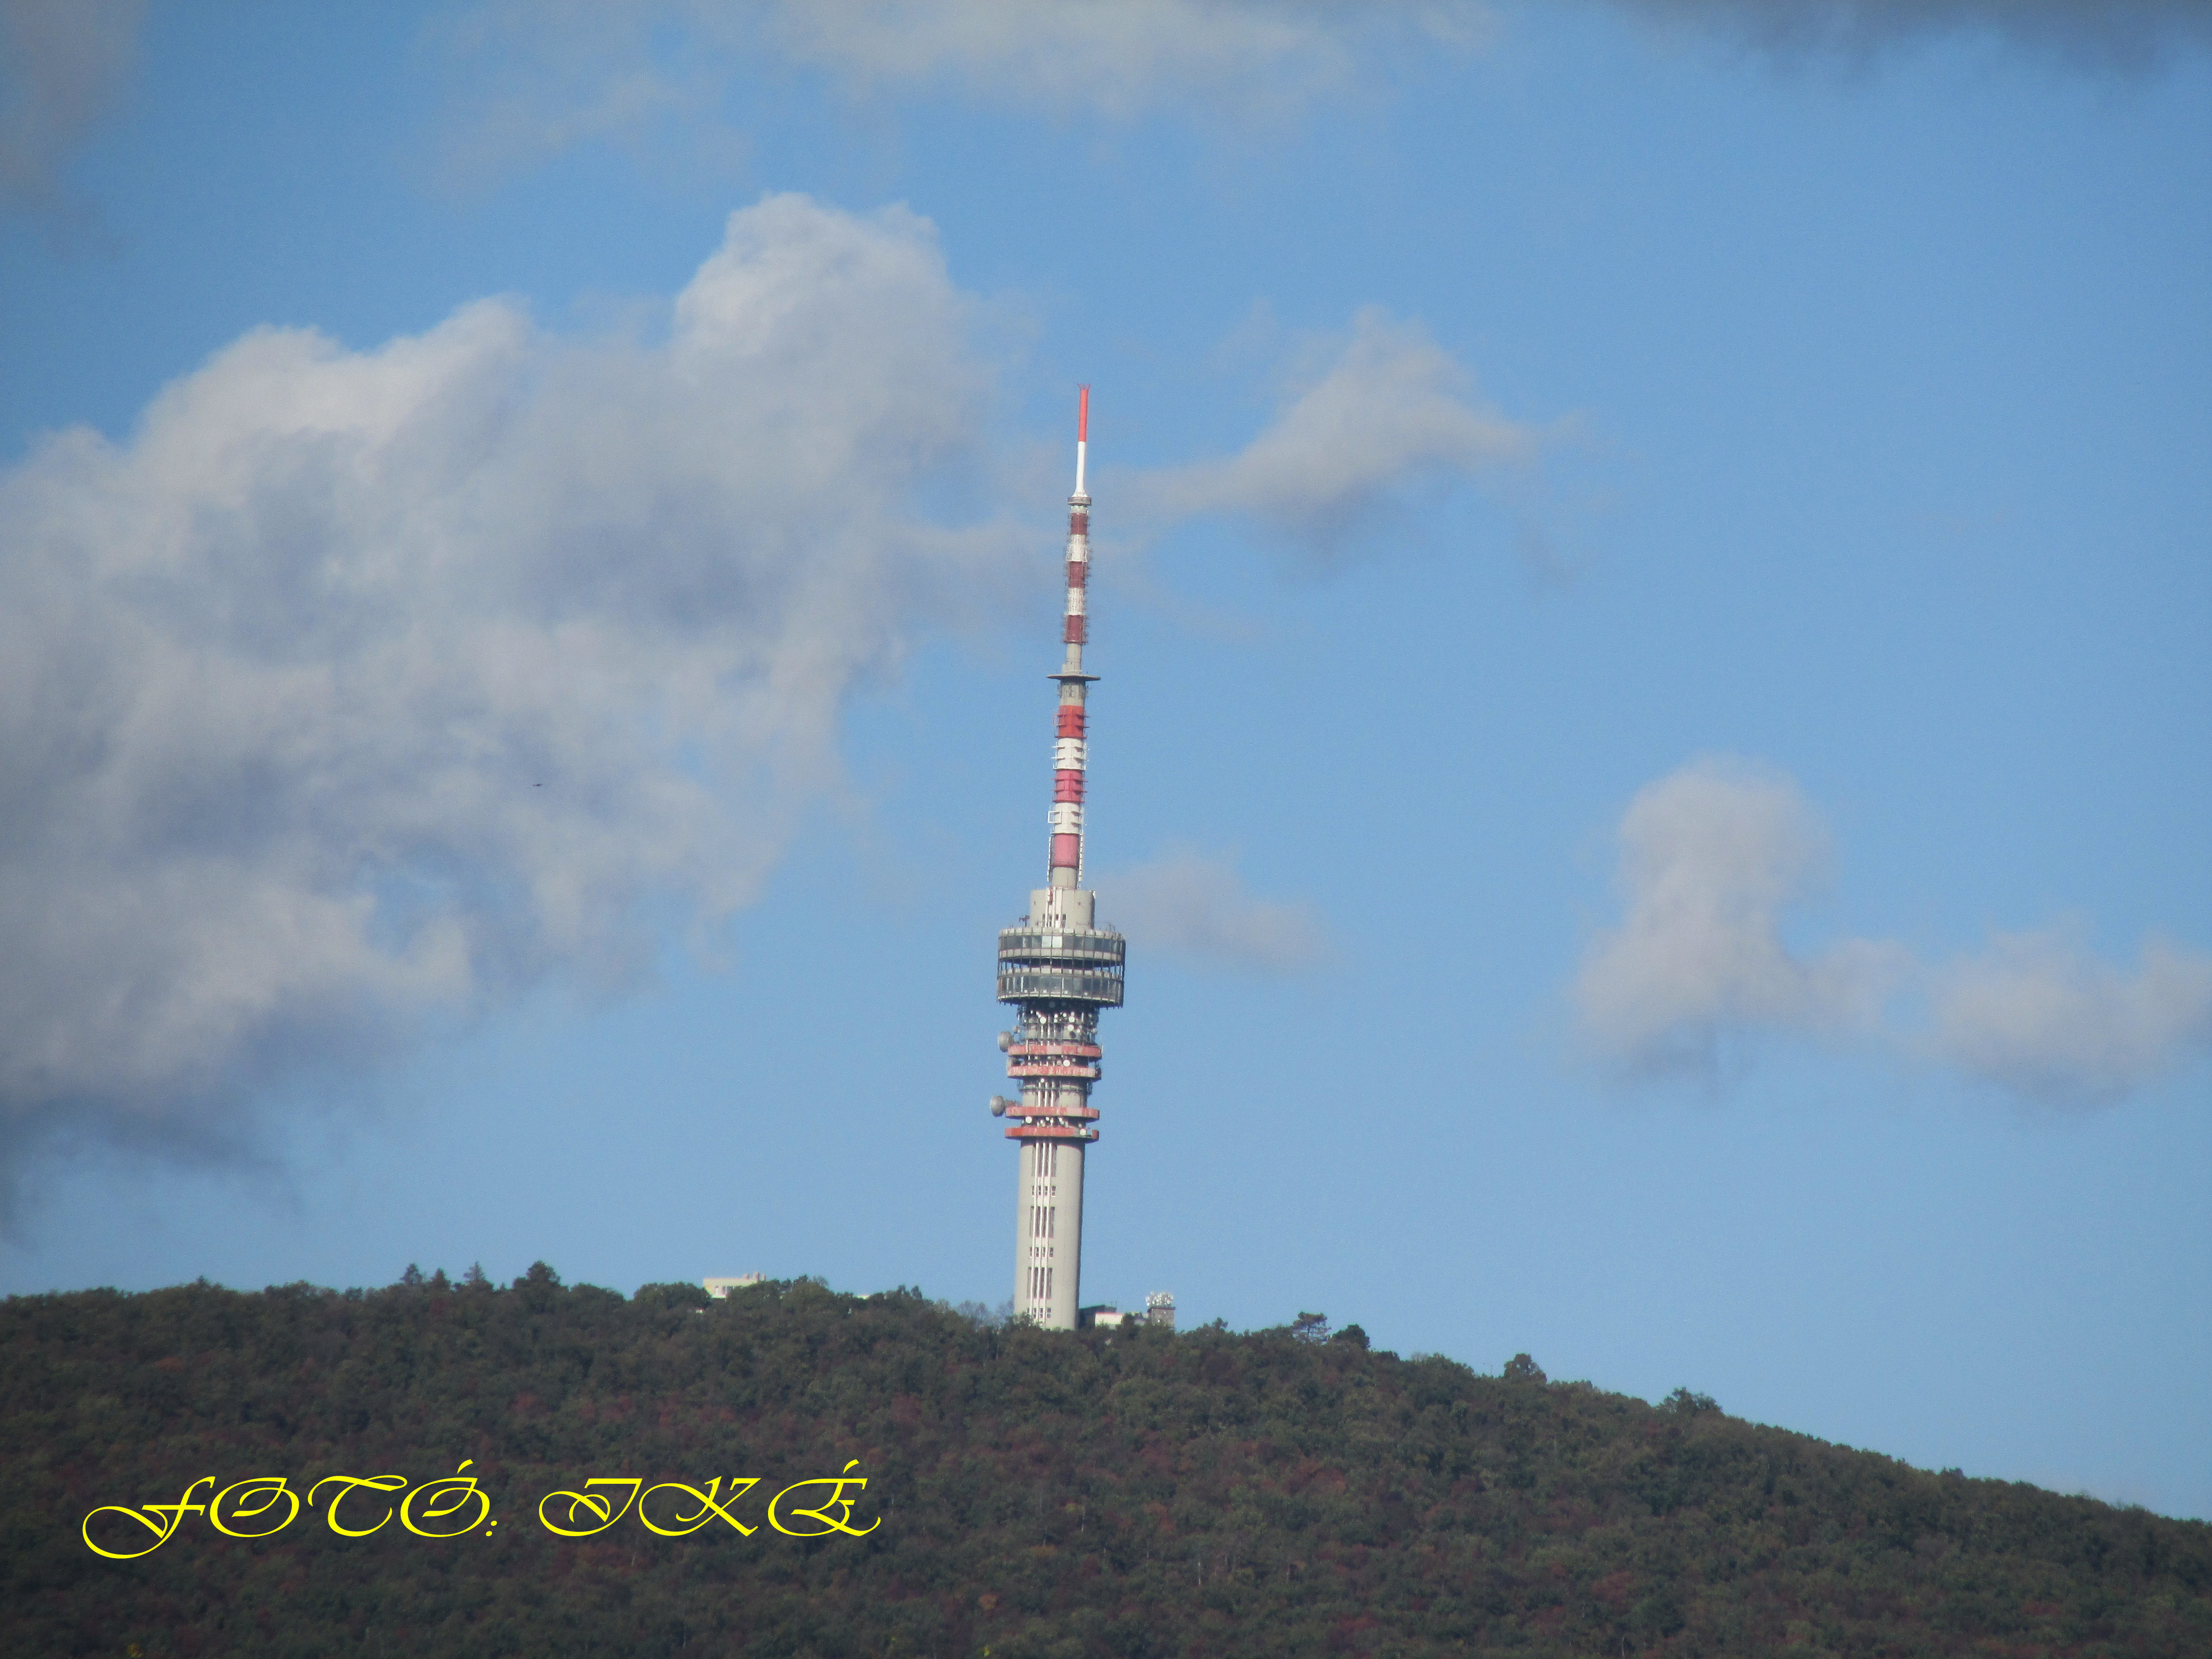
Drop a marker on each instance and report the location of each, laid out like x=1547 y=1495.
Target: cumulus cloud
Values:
x=2037 y=1014
x=63 y=64
x=1711 y=859
x=361 y=688
x=1194 y=907
x=2123 y=34
x=1389 y=412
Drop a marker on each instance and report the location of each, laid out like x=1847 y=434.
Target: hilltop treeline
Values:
x=1131 y=1493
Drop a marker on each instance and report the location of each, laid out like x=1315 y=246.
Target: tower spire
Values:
x=1082 y=437
x=1059 y=969
x=1069 y=749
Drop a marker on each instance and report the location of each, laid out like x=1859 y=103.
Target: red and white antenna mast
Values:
x=1060 y=970
x=1069 y=747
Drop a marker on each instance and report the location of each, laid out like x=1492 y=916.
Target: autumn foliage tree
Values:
x=1112 y=1493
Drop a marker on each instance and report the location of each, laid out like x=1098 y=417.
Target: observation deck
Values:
x=1074 y=965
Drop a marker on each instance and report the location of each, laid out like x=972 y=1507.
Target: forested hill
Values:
x=1037 y=1493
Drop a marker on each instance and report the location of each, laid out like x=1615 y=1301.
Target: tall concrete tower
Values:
x=1059 y=968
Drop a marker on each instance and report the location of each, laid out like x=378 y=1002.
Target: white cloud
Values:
x=63 y=64
x=1713 y=855
x=1190 y=906
x=358 y=688
x=2038 y=1015
x=2127 y=34
x=1710 y=856
x=1390 y=411
x=530 y=80
x=1119 y=58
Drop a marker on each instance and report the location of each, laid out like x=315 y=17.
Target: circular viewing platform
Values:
x=1068 y=964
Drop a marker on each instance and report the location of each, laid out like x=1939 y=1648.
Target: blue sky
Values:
x=1652 y=595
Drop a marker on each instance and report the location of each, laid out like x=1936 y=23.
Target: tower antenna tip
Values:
x=1083 y=417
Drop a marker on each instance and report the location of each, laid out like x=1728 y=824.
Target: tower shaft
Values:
x=1059 y=969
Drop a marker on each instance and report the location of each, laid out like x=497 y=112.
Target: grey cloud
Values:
x=1194 y=907
x=2122 y=35
x=2038 y=1015
x=357 y=690
x=1389 y=410
x=63 y=64
x=1711 y=859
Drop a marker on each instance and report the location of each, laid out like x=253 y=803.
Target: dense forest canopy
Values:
x=1130 y=1492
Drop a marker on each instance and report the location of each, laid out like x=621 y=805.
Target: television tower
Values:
x=1059 y=968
